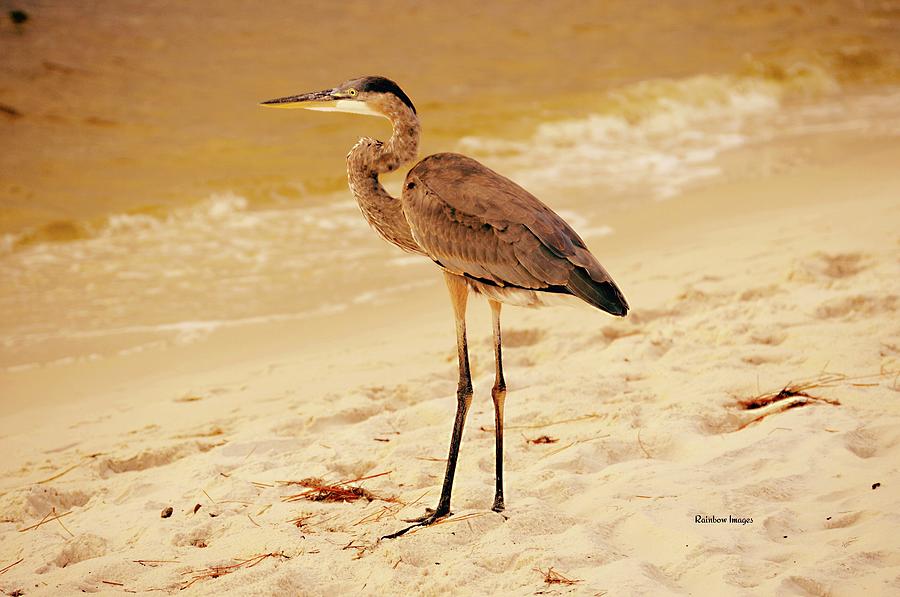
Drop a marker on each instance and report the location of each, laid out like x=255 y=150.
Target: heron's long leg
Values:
x=498 y=394
x=459 y=292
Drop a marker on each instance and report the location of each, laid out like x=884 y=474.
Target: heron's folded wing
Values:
x=476 y=222
x=472 y=188
x=506 y=254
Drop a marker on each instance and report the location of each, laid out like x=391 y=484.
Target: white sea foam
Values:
x=656 y=138
x=183 y=274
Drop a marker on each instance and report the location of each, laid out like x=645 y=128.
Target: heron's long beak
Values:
x=317 y=100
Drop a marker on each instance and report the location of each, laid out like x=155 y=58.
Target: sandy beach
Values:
x=795 y=283
x=215 y=378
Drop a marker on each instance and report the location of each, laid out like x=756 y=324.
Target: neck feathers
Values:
x=402 y=147
x=369 y=158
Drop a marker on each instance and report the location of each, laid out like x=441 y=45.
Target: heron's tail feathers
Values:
x=603 y=295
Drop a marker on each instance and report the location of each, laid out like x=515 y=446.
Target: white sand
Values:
x=801 y=279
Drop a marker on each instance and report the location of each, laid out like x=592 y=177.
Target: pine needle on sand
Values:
x=552 y=577
x=48 y=518
x=217 y=571
x=319 y=490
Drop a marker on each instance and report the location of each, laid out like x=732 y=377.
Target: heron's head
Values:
x=372 y=96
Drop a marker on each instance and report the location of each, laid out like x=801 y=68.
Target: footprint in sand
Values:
x=86 y=546
x=856 y=306
x=349 y=415
x=200 y=536
x=842 y=265
x=841 y=521
x=801 y=585
x=780 y=524
x=645 y=316
x=519 y=338
x=81 y=548
x=768 y=337
x=152 y=458
x=760 y=292
x=765 y=358
x=612 y=333
x=828 y=267
x=872 y=441
x=36 y=501
x=400 y=394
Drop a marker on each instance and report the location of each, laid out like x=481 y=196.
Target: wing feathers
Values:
x=475 y=222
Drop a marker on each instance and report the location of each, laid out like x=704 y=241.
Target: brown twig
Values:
x=47 y=518
x=392 y=509
x=320 y=491
x=154 y=563
x=64 y=526
x=69 y=469
x=544 y=439
x=366 y=478
x=641 y=444
x=558 y=450
x=379 y=514
x=300 y=520
x=217 y=571
x=360 y=549
x=574 y=443
x=448 y=519
x=552 y=577
x=60 y=474
x=19 y=561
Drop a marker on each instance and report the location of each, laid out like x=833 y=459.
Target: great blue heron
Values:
x=485 y=232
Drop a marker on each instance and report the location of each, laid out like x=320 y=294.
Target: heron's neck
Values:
x=368 y=159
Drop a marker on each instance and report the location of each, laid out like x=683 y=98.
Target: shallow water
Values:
x=145 y=197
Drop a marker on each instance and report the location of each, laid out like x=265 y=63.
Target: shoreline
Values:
x=695 y=215
x=643 y=418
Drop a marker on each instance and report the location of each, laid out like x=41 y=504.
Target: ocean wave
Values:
x=655 y=137
x=217 y=260
x=223 y=212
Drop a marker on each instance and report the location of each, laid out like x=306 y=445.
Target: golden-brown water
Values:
x=144 y=194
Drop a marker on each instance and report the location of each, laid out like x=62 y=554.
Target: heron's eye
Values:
x=351 y=92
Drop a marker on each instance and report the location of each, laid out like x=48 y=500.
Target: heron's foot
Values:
x=498 y=506
x=422 y=521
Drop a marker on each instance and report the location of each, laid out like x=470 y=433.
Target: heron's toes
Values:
x=426 y=520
